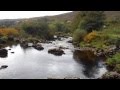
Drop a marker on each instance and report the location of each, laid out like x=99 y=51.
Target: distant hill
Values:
x=62 y=17
x=70 y=16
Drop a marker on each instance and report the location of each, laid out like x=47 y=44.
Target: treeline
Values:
x=39 y=28
x=44 y=28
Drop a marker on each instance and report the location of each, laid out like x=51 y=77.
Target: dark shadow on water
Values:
x=89 y=62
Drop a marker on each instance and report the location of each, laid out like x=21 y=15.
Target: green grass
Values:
x=114 y=62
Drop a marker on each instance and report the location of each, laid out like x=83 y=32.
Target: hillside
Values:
x=62 y=17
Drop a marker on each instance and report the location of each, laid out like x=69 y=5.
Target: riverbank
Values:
x=109 y=55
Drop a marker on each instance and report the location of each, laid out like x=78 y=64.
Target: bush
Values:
x=117 y=68
x=3 y=39
x=8 y=32
x=112 y=62
x=40 y=29
x=78 y=35
x=91 y=36
x=92 y=20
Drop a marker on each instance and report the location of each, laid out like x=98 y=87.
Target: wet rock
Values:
x=63 y=47
x=3 y=53
x=24 y=45
x=38 y=46
x=56 y=51
x=3 y=66
x=84 y=54
x=48 y=42
x=9 y=49
x=70 y=41
x=12 y=52
x=110 y=75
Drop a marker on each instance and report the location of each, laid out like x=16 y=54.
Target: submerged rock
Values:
x=3 y=53
x=9 y=49
x=12 y=52
x=3 y=66
x=56 y=51
x=63 y=47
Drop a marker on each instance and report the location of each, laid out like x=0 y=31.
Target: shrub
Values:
x=92 y=20
x=8 y=32
x=117 y=68
x=40 y=29
x=3 y=39
x=78 y=35
x=112 y=62
x=91 y=36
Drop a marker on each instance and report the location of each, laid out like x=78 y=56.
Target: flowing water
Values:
x=33 y=64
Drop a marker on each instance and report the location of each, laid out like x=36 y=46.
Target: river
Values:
x=33 y=64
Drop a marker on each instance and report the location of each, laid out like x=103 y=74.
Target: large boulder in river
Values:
x=85 y=55
x=3 y=53
x=56 y=51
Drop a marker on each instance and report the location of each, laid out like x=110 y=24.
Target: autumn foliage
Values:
x=91 y=36
x=8 y=32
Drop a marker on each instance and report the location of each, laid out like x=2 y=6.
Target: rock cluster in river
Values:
x=35 y=45
x=56 y=51
x=38 y=46
x=109 y=52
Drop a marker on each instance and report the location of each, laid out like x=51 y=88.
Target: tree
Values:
x=76 y=22
x=37 y=28
x=92 y=20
